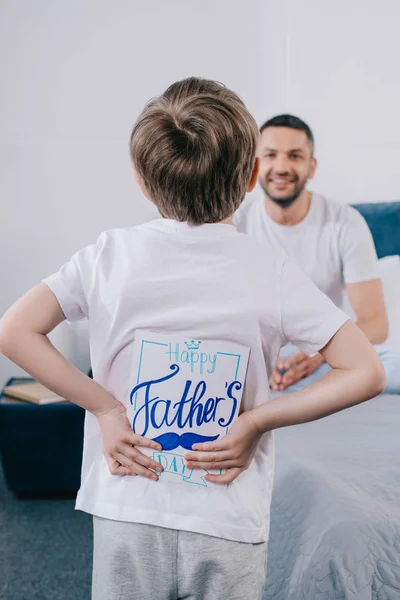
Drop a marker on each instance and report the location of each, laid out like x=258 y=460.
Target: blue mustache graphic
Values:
x=170 y=441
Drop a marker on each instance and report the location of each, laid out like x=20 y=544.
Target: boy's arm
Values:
x=23 y=339
x=357 y=375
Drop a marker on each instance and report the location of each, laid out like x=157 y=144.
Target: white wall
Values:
x=335 y=63
x=74 y=76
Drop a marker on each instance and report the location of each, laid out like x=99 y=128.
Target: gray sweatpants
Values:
x=141 y=562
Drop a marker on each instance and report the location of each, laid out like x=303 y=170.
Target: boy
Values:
x=190 y=273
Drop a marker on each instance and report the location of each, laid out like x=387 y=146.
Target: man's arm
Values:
x=23 y=339
x=357 y=375
x=360 y=275
x=366 y=298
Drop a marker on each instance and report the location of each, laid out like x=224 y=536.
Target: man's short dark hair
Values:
x=291 y=122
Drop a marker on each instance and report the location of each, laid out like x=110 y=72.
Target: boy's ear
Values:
x=140 y=184
x=254 y=175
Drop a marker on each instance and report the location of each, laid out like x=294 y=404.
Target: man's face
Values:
x=286 y=163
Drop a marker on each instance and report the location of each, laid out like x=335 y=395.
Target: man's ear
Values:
x=254 y=175
x=140 y=184
x=313 y=167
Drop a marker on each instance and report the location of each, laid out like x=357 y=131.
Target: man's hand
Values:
x=234 y=452
x=297 y=367
x=120 y=446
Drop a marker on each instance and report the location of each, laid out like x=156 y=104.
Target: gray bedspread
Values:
x=335 y=519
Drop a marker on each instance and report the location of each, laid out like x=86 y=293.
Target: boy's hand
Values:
x=120 y=446
x=234 y=452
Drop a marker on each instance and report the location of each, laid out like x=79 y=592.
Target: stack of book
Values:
x=32 y=392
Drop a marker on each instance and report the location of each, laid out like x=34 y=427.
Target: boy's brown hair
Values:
x=194 y=150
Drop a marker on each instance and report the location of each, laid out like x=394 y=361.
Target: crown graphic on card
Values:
x=184 y=392
x=192 y=345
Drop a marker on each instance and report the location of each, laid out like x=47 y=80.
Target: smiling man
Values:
x=330 y=241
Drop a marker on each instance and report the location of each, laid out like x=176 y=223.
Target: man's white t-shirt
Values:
x=333 y=244
x=204 y=282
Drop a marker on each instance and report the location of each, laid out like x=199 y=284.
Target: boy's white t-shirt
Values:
x=203 y=282
x=333 y=244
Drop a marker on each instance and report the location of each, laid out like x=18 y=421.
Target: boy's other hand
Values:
x=233 y=453
x=297 y=367
x=120 y=446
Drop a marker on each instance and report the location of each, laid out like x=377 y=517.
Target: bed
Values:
x=335 y=515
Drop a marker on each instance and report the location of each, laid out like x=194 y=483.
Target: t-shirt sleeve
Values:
x=357 y=249
x=71 y=283
x=309 y=319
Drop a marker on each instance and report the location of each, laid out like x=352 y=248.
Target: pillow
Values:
x=389 y=272
x=383 y=219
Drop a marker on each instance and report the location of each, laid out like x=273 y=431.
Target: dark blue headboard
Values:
x=383 y=219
